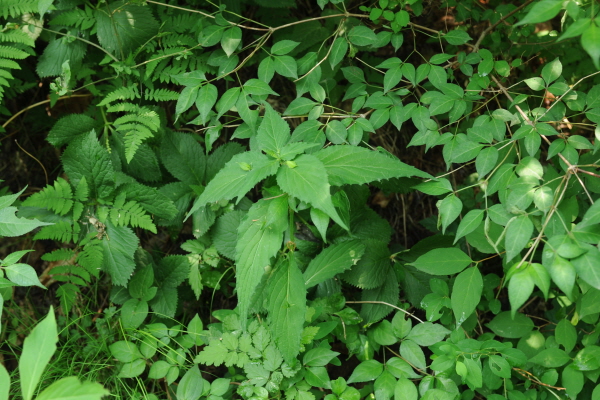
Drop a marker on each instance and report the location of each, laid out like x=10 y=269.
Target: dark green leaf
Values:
x=442 y=261
x=466 y=293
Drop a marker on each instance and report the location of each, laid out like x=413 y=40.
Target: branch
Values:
x=492 y=27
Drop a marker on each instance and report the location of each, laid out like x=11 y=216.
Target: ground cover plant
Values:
x=300 y=199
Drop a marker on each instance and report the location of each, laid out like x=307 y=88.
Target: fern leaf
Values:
x=149 y=118
x=58 y=198
x=16 y=36
x=16 y=8
x=6 y=63
x=68 y=295
x=130 y=213
x=62 y=231
x=11 y=52
x=59 y=255
x=161 y=95
x=91 y=257
x=122 y=93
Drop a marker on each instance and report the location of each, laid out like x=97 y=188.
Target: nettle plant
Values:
x=265 y=124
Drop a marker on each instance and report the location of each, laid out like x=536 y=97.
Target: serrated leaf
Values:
x=308 y=182
x=372 y=269
x=123 y=27
x=236 y=178
x=256 y=244
x=358 y=165
x=69 y=128
x=273 y=132
x=466 y=294
x=38 y=348
x=224 y=233
x=118 y=250
x=378 y=299
x=446 y=261
x=333 y=260
x=85 y=157
x=287 y=307
x=183 y=157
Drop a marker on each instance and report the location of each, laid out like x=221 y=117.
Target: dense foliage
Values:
x=226 y=213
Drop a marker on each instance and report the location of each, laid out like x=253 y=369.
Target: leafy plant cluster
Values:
x=252 y=136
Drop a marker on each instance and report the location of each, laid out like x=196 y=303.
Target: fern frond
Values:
x=16 y=8
x=146 y=117
x=76 y=17
x=11 y=52
x=58 y=198
x=122 y=93
x=131 y=214
x=70 y=273
x=59 y=255
x=67 y=294
x=182 y=22
x=16 y=36
x=5 y=63
x=62 y=231
x=174 y=40
x=160 y=95
x=82 y=191
x=91 y=257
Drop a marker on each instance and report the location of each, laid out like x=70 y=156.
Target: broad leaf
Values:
x=11 y=225
x=518 y=233
x=256 y=244
x=466 y=294
x=541 y=11
x=191 y=385
x=183 y=157
x=358 y=165
x=308 y=182
x=333 y=260
x=71 y=388
x=442 y=261
x=287 y=307
x=273 y=132
x=366 y=371
x=38 y=348
x=238 y=176
x=118 y=249
x=70 y=127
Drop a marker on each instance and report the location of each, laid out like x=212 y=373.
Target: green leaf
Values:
x=520 y=287
x=286 y=66
x=391 y=78
x=551 y=358
x=118 y=250
x=273 y=132
x=588 y=266
x=338 y=51
x=231 y=39
x=457 y=37
x=566 y=335
x=287 y=308
x=70 y=127
x=469 y=223
x=541 y=12
x=384 y=386
x=405 y=390
x=258 y=87
x=450 y=209
x=183 y=157
x=96 y=166
x=125 y=351
x=587 y=359
x=191 y=385
x=123 y=27
x=333 y=260
x=413 y=353
x=72 y=388
x=309 y=183
x=358 y=165
x=500 y=366
x=4 y=383
x=205 y=100
x=466 y=293
x=518 y=234
x=227 y=101
x=318 y=357
x=535 y=83
x=224 y=233
x=505 y=326
x=238 y=176
x=372 y=269
x=22 y=275
x=592 y=215
x=361 y=36
x=460 y=149
x=11 y=225
x=446 y=261
x=336 y=132
x=366 y=371
x=299 y=106
x=552 y=71
x=283 y=47
x=427 y=333
x=375 y=308
x=256 y=244
x=38 y=349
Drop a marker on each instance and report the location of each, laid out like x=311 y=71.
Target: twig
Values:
x=387 y=304
x=491 y=27
x=4 y=125
x=532 y=378
x=38 y=161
